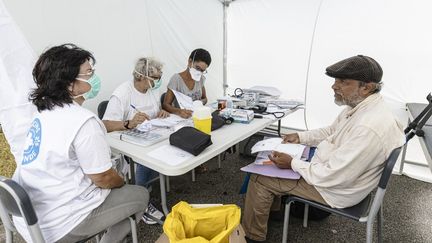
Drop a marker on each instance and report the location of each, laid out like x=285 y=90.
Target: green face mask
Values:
x=95 y=84
x=157 y=84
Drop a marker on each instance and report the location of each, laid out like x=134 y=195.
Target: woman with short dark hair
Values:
x=66 y=167
x=189 y=82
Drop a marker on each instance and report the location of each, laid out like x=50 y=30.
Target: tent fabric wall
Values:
x=269 y=43
x=119 y=32
x=16 y=64
x=287 y=44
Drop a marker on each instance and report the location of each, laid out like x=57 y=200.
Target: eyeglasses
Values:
x=90 y=73
x=154 y=77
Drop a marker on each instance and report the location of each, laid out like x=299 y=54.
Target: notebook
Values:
x=142 y=138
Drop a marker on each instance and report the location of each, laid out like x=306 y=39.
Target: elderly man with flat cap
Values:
x=350 y=152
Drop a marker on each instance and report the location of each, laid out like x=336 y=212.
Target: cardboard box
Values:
x=237 y=236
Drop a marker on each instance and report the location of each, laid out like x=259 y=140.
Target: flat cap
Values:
x=362 y=68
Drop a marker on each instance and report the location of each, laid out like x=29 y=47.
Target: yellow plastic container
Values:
x=204 y=125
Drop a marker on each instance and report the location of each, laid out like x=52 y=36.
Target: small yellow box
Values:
x=204 y=125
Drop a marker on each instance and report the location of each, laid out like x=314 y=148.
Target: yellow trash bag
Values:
x=214 y=224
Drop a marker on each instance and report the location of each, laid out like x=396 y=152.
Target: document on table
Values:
x=170 y=121
x=275 y=144
x=170 y=155
x=184 y=101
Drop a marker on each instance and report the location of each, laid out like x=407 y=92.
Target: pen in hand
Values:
x=133 y=107
x=144 y=115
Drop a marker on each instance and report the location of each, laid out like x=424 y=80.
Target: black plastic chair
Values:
x=102 y=108
x=15 y=201
x=363 y=212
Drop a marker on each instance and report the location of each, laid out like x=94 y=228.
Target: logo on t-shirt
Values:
x=32 y=143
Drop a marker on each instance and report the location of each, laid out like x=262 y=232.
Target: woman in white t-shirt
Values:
x=189 y=82
x=132 y=103
x=66 y=167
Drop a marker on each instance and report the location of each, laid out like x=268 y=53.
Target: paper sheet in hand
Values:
x=271 y=170
x=184 y=101
x=170 y=155
x=275 y=144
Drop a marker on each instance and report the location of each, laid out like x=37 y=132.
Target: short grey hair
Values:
x=377 y=89
x=147 y=66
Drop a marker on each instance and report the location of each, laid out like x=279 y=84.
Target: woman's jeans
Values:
x=144 y=175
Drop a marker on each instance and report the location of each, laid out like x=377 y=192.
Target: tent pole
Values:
x=226 y=4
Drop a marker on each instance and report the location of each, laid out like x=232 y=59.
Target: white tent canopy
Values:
x=287 y=44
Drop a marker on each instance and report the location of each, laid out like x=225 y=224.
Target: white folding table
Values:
x=223 y=138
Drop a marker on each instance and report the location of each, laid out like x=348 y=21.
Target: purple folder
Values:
x=271 y=171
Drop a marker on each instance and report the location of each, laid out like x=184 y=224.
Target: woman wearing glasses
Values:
x=131 y=104
x=189 y=82
x=66 y=167
x=134 y=102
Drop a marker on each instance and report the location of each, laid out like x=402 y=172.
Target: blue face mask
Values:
x=95 y=84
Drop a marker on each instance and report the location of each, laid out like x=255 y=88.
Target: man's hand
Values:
x=185 y=113
x=291 y=138
x=281 y=160
x=163 y=114
x=138 y=119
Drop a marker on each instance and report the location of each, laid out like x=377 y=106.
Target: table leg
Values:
x=167 y=184
x=279 y=127
x=163 y=194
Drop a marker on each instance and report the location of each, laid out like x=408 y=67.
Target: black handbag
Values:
x=190 y=140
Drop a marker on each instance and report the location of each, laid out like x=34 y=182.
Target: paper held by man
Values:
x=262 y=164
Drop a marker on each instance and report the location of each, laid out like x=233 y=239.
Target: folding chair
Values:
x=102 y=108
x=14 y=201
x=363 y=212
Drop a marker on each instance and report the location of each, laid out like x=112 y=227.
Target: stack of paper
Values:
x=275 y=144
x=170 y=121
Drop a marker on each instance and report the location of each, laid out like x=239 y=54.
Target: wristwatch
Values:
x=126 y=124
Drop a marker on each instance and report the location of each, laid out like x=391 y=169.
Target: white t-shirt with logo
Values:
x=119 y=106
x=63 y=145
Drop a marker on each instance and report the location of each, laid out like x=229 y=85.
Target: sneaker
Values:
x=153 y=212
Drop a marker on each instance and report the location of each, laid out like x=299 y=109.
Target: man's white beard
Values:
x=349 y=101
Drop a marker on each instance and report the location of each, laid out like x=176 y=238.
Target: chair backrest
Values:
x=102 y=108
x=388 y=167
x=15 y=201
x=382 y=185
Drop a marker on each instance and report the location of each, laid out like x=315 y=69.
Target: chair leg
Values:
x=219 y=161
x=133 y=230
x=306 y=215
x=97 y=238
x=286 y=222
x=380 y=224
x=369 y=229
x=9 y=236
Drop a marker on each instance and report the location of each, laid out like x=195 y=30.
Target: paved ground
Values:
x=407 y=207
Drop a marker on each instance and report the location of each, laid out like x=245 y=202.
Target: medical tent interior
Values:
x=285 y=44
